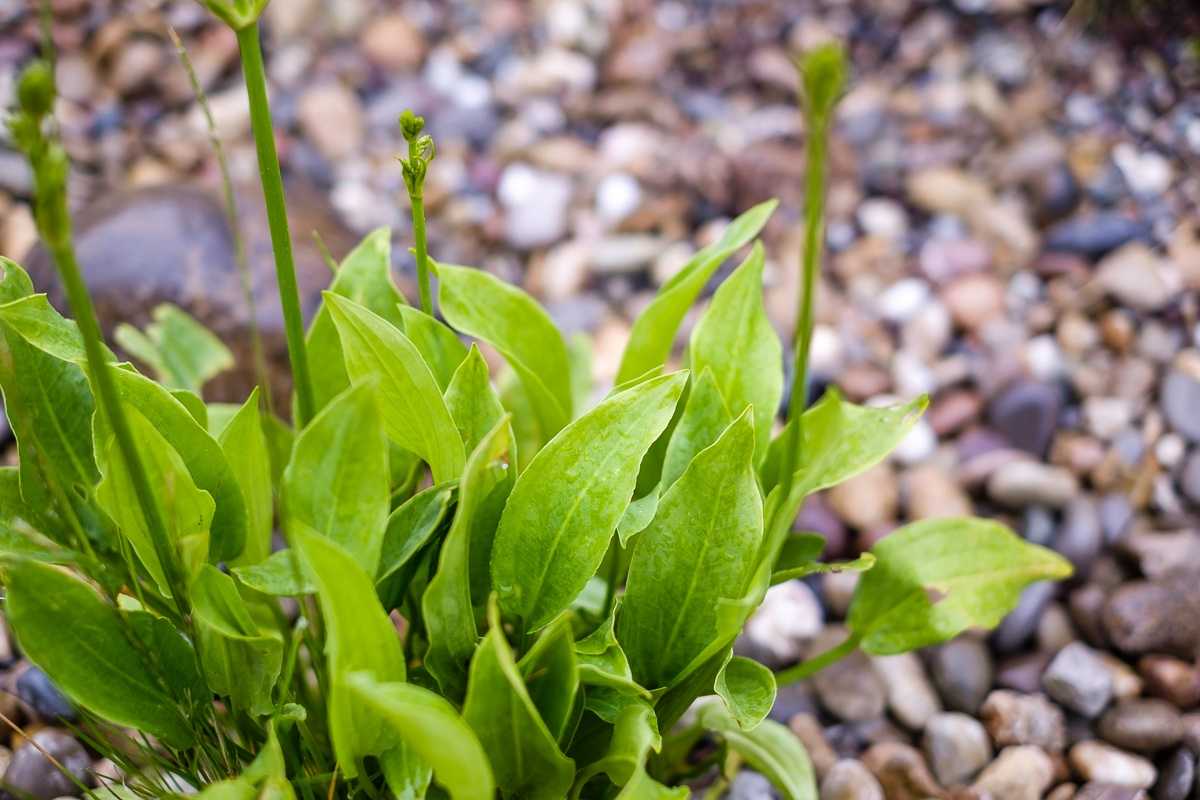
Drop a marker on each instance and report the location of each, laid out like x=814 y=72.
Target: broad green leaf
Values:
x=173 y=657
x=79 y=640
x=432 y=728
x=194 y=405
x=526 y=761
x=735 y=339
x=602 y=662
x=447 y=607
x=337 y=481
x=635 y=736
x=201 y=454
x=359 y=637
x=579 y=353
x=699 y=548
x=705 y=416
x=565 y=506
x=936 y=578
x=14 y=281
x=36 y=321
x=438 y=345
x=700 y=682
x=748 y=689
x=472 y=401
x=411 y=526
x=414 y=412
x=245 y=446
x=280 y=574
x=637 y=516
x=551 y=673
x=241 y=660
x=183 y=353
x=487 y=308
x=770 y=748
x=185 y=509
x=20 y=536
x=364 y=276
x=408 y=776
x=527 y=433
x=654 y=331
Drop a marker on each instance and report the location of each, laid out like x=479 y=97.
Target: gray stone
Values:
x=1189 y=478
x=1179 y=398
x=1080 y=538
x=1020 y=624
x=1093 y=235
x=1021 y=483
x=1177 y=776
x=748 y=785
x=1078 y=679
x=1096 y=761
x=850 y=780
x=850 y=689
x=910 y=695
x=962 y=669
x=31 y=773
x=1024 y=719
x=36 y=690
x=1162 y=615
x=1145 y=726
x=957 y=747
x=1026 y=414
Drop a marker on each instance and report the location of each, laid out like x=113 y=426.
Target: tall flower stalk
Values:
x=416 y=165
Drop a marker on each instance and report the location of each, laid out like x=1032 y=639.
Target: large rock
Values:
x=172 y=244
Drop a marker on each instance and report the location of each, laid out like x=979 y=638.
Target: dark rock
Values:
x=1021 y=622
x=1087 y=605
x=1093 y=235
x=1023 y=673
x=1146 y=726
x=1055 y=193
x=1079 y=679
x=37 y=691
x=1080 y=537
x=1026 y=414
x=1174 y=680
x=1162 y=615
x=1179 y=398
x=792 y=699
x=31 y=773
x=1189 y=478
x=1176 y=776
x=1115 y=515
x=1024 y=719
x=1094 y=790
x=962 y=671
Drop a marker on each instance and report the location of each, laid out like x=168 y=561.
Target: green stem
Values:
x=418 y=216
x=812 y=666
x=281 y=242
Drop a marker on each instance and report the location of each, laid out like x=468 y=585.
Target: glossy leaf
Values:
x=448 y=611
x=96 y=665
x=414 y=413
x=705 y=416
x=411 y=526
x=551 y=673
x=602 y=661
x=14 y=281
x=699 y=549
x=562 y=512
x=432 y=728
x=526 y=761
x=172 y=657
x=241 y=661
x=337 y=480
x=280 y=574
x=748 y=689
x=245 y=446
x=472 y=401
x=936 y=578
x=736 y=341
x=438 y=345
x=770 y=748
x=182 y=353
x=483 y=306
x=635 y=736
x=654 y=331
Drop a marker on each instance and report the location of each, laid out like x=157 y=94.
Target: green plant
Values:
x=481 y=631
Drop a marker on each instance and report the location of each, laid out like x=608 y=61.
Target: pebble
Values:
x=392 y=42
x=33 y=774
x=1021 y=623
x=930 y=492
x=974 y=300
x=850 y=689
x=869 y=499
x=1019 y=773
x=810 y=733
x=37 y=691
x=1022 y=483
x=783 y=627
x=962 y=670
x=1175 y=680
x=750 y=785
x=1179 y=397
x=1138 y=278
x=910 y=695
x=1177 y=776
x=901 y=771
x=1012 y=718
x=1078 y=679
x=1096 y=761
x=1095 y=234
x=1162 y=553
x=1108 y=791
x=1080 y=537
x=618 y=195
x=1145 y=726
x=331 y=116
x=903 y=300
x=535 y=203
x=957 y=747
x=1162 y=615
x=848 y=779
x=1026 y=415
x=1146 y=172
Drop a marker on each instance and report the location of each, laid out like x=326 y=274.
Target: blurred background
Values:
x=1013 y=229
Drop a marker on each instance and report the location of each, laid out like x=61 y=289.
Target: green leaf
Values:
x=36 y=321
x=483 y=306
x=337 y=481
x=748 y=689
x=411 y=526
x=408 y=776
x=551 y=673
x=472 y=401
x=194 y=405
x=414 y=412
x=579 y=353
x=654 y=331
x=936 y=578
x=861 y=564
x=699 y=549
x=14 y=281
x=241 y=661
x=280 y=574
x=526 y=761
x=447 y=607
x=562 y=512
x=173 y=656
x=359 y=637
x=735 y=339
x=438 y=345
x=365 y=276
x=635 y=736
x=183 y=353
x=245 y=446
x=95 y=665
x=705 y=417
x=637 y=516
x=602 y=662
x=186 y=511
x=431 y=727
x=770 y=748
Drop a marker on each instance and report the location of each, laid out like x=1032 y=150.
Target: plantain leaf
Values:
x=414 y=413
x=551 y=673
x=438 y=345
x=635 y=736
x=244 y=443
x=936 y=578
x=337 y=480
x=562 y=512
x=705 y=416
x=182 y=353
x=280 y=574
x=699 y=549
x=770 y=748
x=483 y=306
x=472 y=401
x=654 y=331
x=602 y=662
x=411 y=526
x=14 y=281
x=95 y=665
x=748 y=689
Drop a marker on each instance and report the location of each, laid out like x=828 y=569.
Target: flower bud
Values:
x=411 y=125
x=237 y=14
x=35 y=89
x=822 y=79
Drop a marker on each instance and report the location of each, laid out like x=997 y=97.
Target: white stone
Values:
x=903 y=300
x=618 y=196
x=788 y=619
x=918 y=445
x=879 y=216
x=1148 y=173
x=535 y=203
